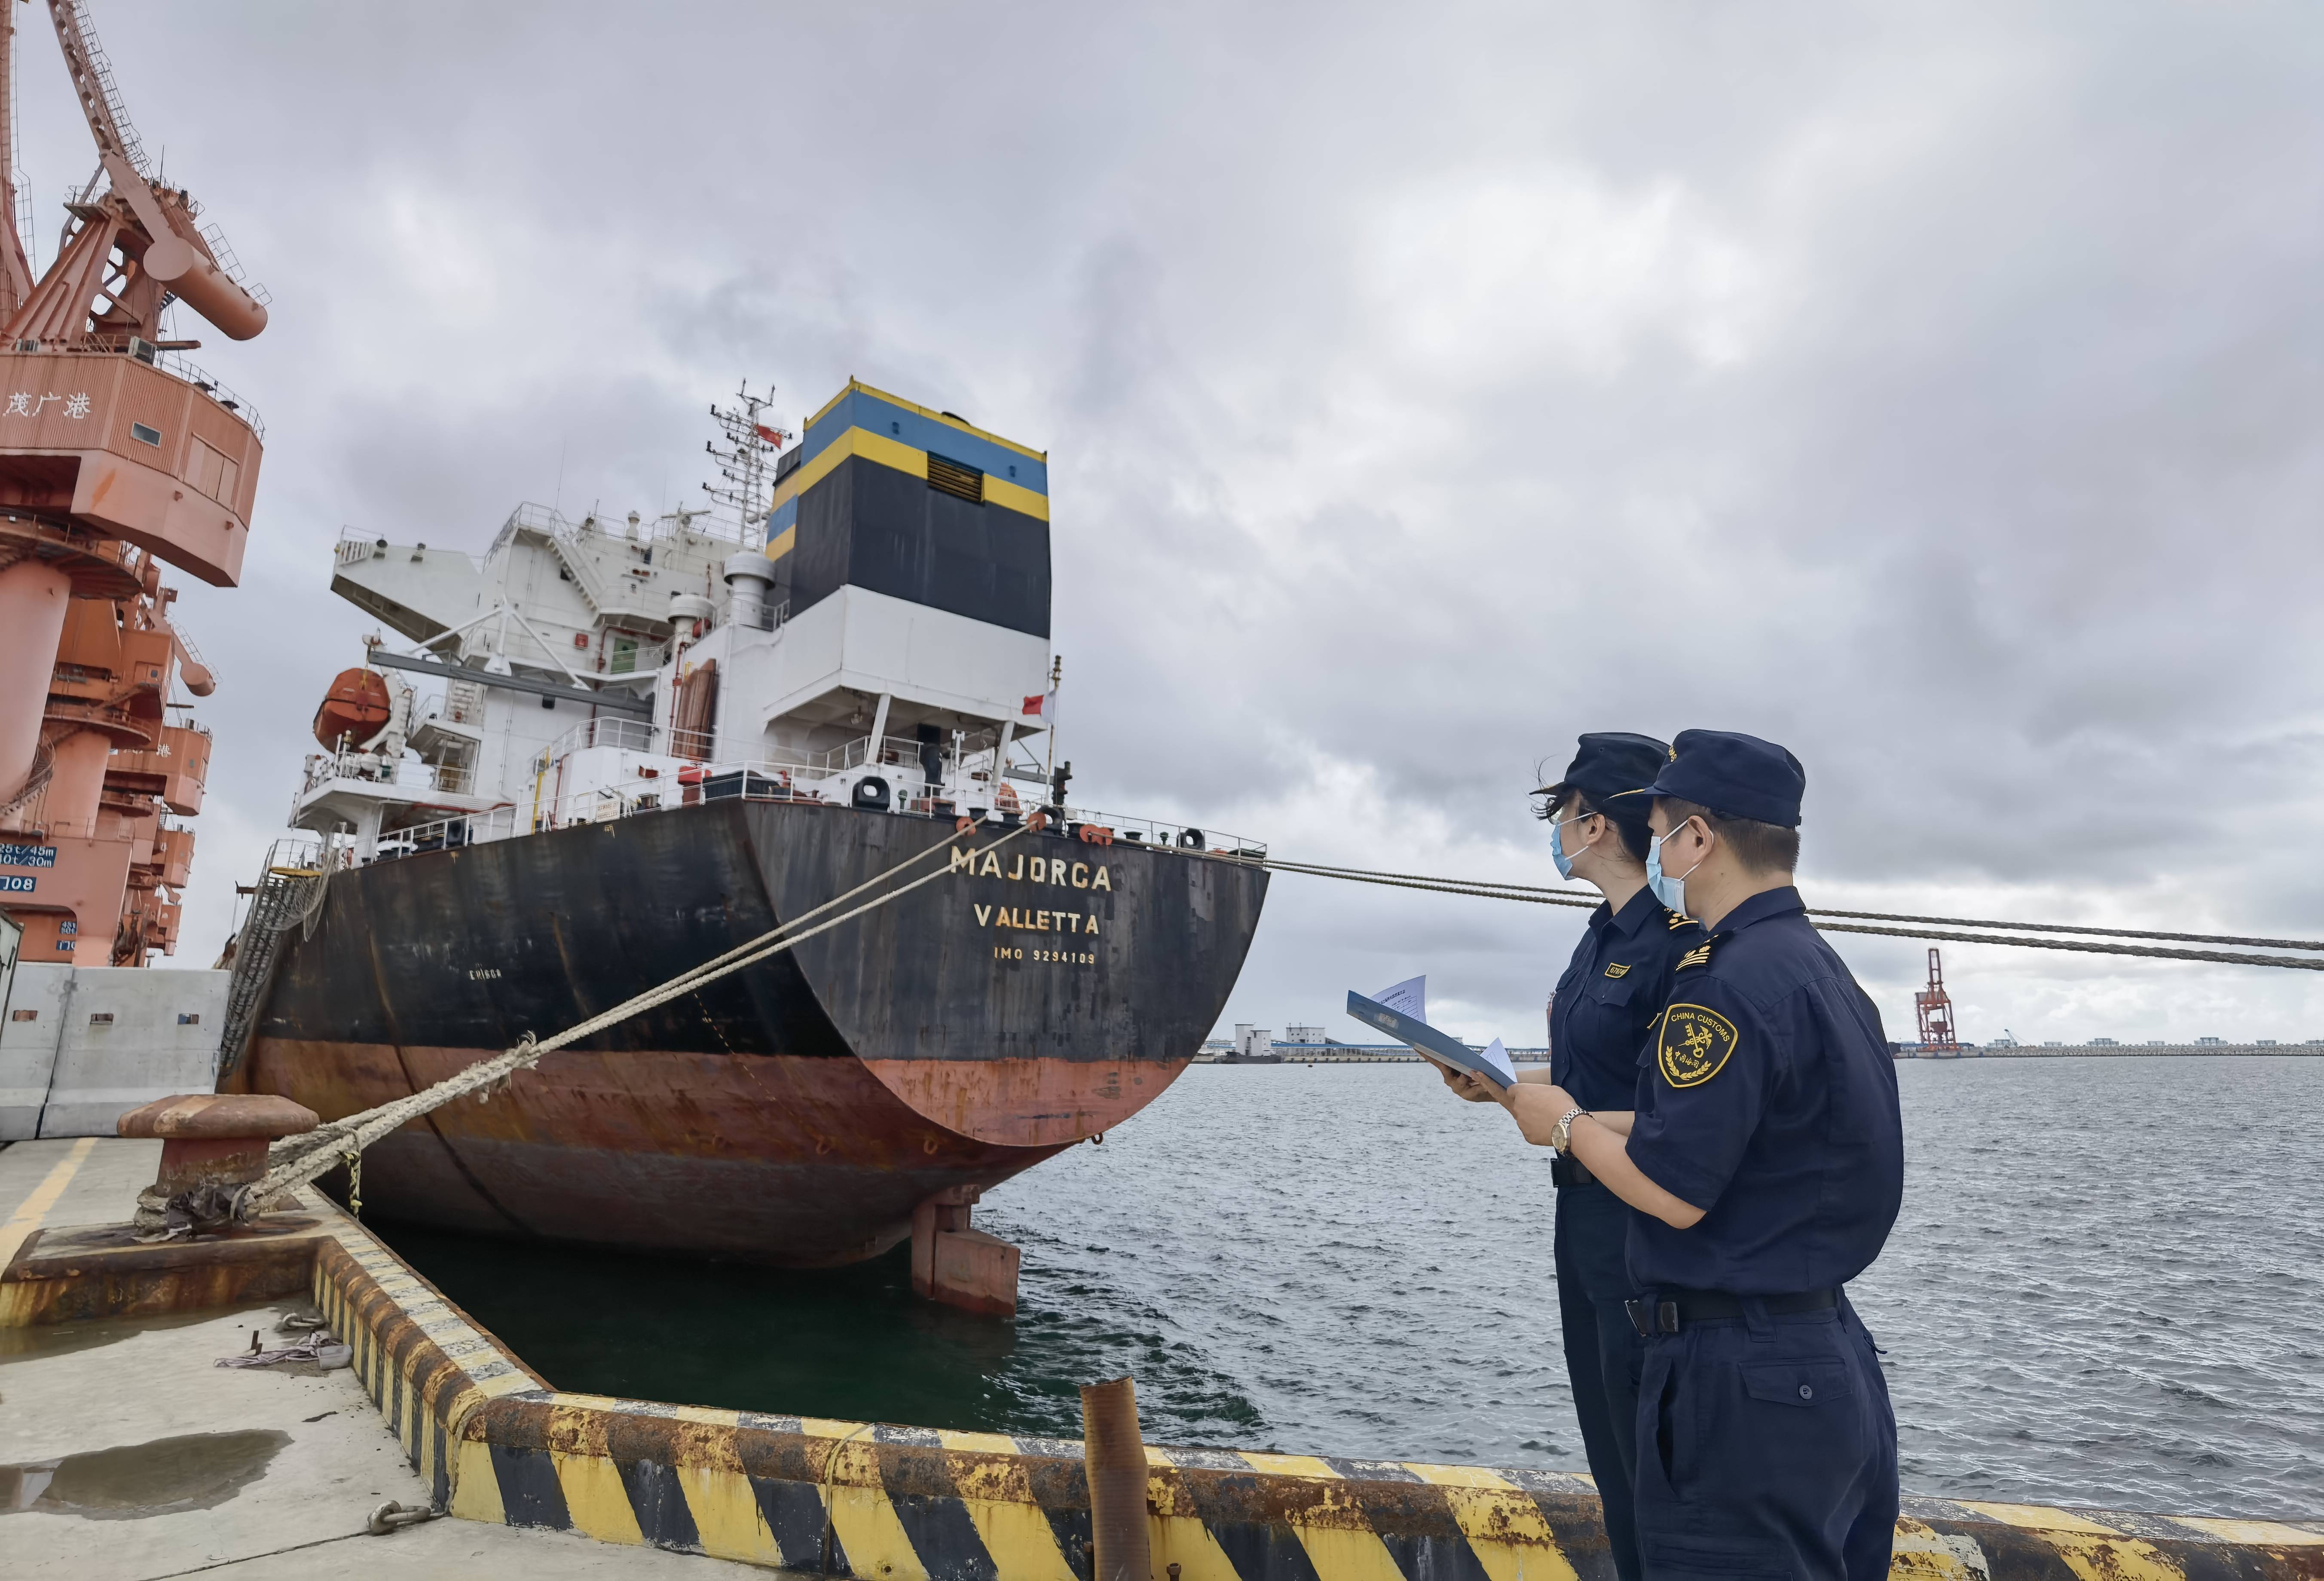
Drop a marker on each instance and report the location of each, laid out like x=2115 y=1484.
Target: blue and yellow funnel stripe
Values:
x=861 y=421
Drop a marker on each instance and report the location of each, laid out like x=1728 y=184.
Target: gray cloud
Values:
x=1934 y=388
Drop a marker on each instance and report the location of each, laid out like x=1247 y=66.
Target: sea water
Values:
x=2106 y=1287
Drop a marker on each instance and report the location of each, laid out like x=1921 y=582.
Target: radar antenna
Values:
x=752 y=444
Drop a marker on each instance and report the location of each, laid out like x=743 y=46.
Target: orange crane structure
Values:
x=116 y=459
x=1936 y=1009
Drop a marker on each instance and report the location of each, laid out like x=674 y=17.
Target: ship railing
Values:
x=630 y=735
x=899 y=751
x=764 y=779
x=175 y=366
x=451 y=833
x=1135 y=830
x=408 y=774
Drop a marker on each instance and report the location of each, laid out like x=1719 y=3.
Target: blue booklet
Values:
x=1491 y=1064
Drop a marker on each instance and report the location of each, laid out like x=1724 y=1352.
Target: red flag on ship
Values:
x=1042 y=706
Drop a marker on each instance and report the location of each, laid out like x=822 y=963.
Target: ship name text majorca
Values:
x=1032 y=870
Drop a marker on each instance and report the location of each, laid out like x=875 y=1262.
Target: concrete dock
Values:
x=126 y=1454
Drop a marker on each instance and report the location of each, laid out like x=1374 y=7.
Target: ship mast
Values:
x=751 y=444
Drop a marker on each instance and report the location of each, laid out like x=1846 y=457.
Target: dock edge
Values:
x=497 y=1444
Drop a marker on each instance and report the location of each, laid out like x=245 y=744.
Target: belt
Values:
x=1668 y=1314
x=1565 y=1169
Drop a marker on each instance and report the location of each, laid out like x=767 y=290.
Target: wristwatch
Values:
x=1560 y=1140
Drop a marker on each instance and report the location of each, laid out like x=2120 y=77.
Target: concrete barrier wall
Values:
x=925 y=1505
x=81 y=1045
x=33 y=1023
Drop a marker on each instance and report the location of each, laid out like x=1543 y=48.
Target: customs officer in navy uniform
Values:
x=1604 y=1009
x=1765 y=1157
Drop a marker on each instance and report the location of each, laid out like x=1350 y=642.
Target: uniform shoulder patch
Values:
x=1698 y=956
x=1694 y=1044
x=1616 y=969
x=1677 y=920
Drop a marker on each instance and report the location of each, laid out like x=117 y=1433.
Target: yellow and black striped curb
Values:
x=923 y=1504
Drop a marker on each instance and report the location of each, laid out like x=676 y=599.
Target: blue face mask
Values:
x=1557 y=844
x=1670 y=891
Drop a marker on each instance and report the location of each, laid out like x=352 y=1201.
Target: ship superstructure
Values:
x=605 y=752
x=873 y=635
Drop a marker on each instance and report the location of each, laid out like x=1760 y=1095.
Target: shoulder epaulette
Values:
x=1677 y=920
x=1698 y=956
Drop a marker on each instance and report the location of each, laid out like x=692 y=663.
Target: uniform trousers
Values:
x=1604 y=1352
x=1766 y=1448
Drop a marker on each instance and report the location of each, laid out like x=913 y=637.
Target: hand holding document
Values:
x=1401 y=1011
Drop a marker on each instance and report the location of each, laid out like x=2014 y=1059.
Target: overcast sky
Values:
x=1934 y=388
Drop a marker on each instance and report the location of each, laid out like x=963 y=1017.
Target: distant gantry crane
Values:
x=1936 y=1009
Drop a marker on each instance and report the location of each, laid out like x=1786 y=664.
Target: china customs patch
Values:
x=1693 y=1045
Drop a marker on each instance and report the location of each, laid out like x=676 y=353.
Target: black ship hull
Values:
x=794 y=1112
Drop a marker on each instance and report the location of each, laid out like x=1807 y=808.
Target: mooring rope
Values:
x=1538 y=896
x=298 y=1160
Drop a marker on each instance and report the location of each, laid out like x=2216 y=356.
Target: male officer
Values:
x=1765 y=1157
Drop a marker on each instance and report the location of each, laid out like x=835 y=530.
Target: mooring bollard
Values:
x=211 y=1143
x=1113 y=1457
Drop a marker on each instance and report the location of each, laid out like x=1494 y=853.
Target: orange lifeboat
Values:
x=354 y=709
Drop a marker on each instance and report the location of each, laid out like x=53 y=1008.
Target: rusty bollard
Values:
x=211 y=1145
x=1113 y=1458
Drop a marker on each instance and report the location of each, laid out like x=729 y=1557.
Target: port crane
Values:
x=1936 y=1009
x=117 y=458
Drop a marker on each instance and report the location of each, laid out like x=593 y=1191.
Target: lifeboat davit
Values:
x=354 y=710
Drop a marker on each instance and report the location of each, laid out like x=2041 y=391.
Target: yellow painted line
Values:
x=977 y=1443
x=707 y=1415
x=1183 y=1540
x=1922 y=1553
x=2264 y=1534
x=1290 y=1465
x=824 y=1426
x=475 y=1491
x=904 y=458
x=1346 y=1555
x=36 y=1208
x=2114 y=1559
x=871 y=1537
x=1457 y=1476
x=2041 y=1518
x=989 y=1475
x=726 y=1514
x=1015 y=497
x=595 y=1498
x=1506 y=1530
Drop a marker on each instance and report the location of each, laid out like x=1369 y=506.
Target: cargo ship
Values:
x=609 y=750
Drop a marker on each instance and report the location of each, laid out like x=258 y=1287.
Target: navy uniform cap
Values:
x=1735 y=776
x=1611 y=763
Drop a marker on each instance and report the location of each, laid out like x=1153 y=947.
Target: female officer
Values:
x=1607 y=1001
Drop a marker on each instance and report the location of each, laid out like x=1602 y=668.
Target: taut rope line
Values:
x=298 y=1160
x=1537 y=896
